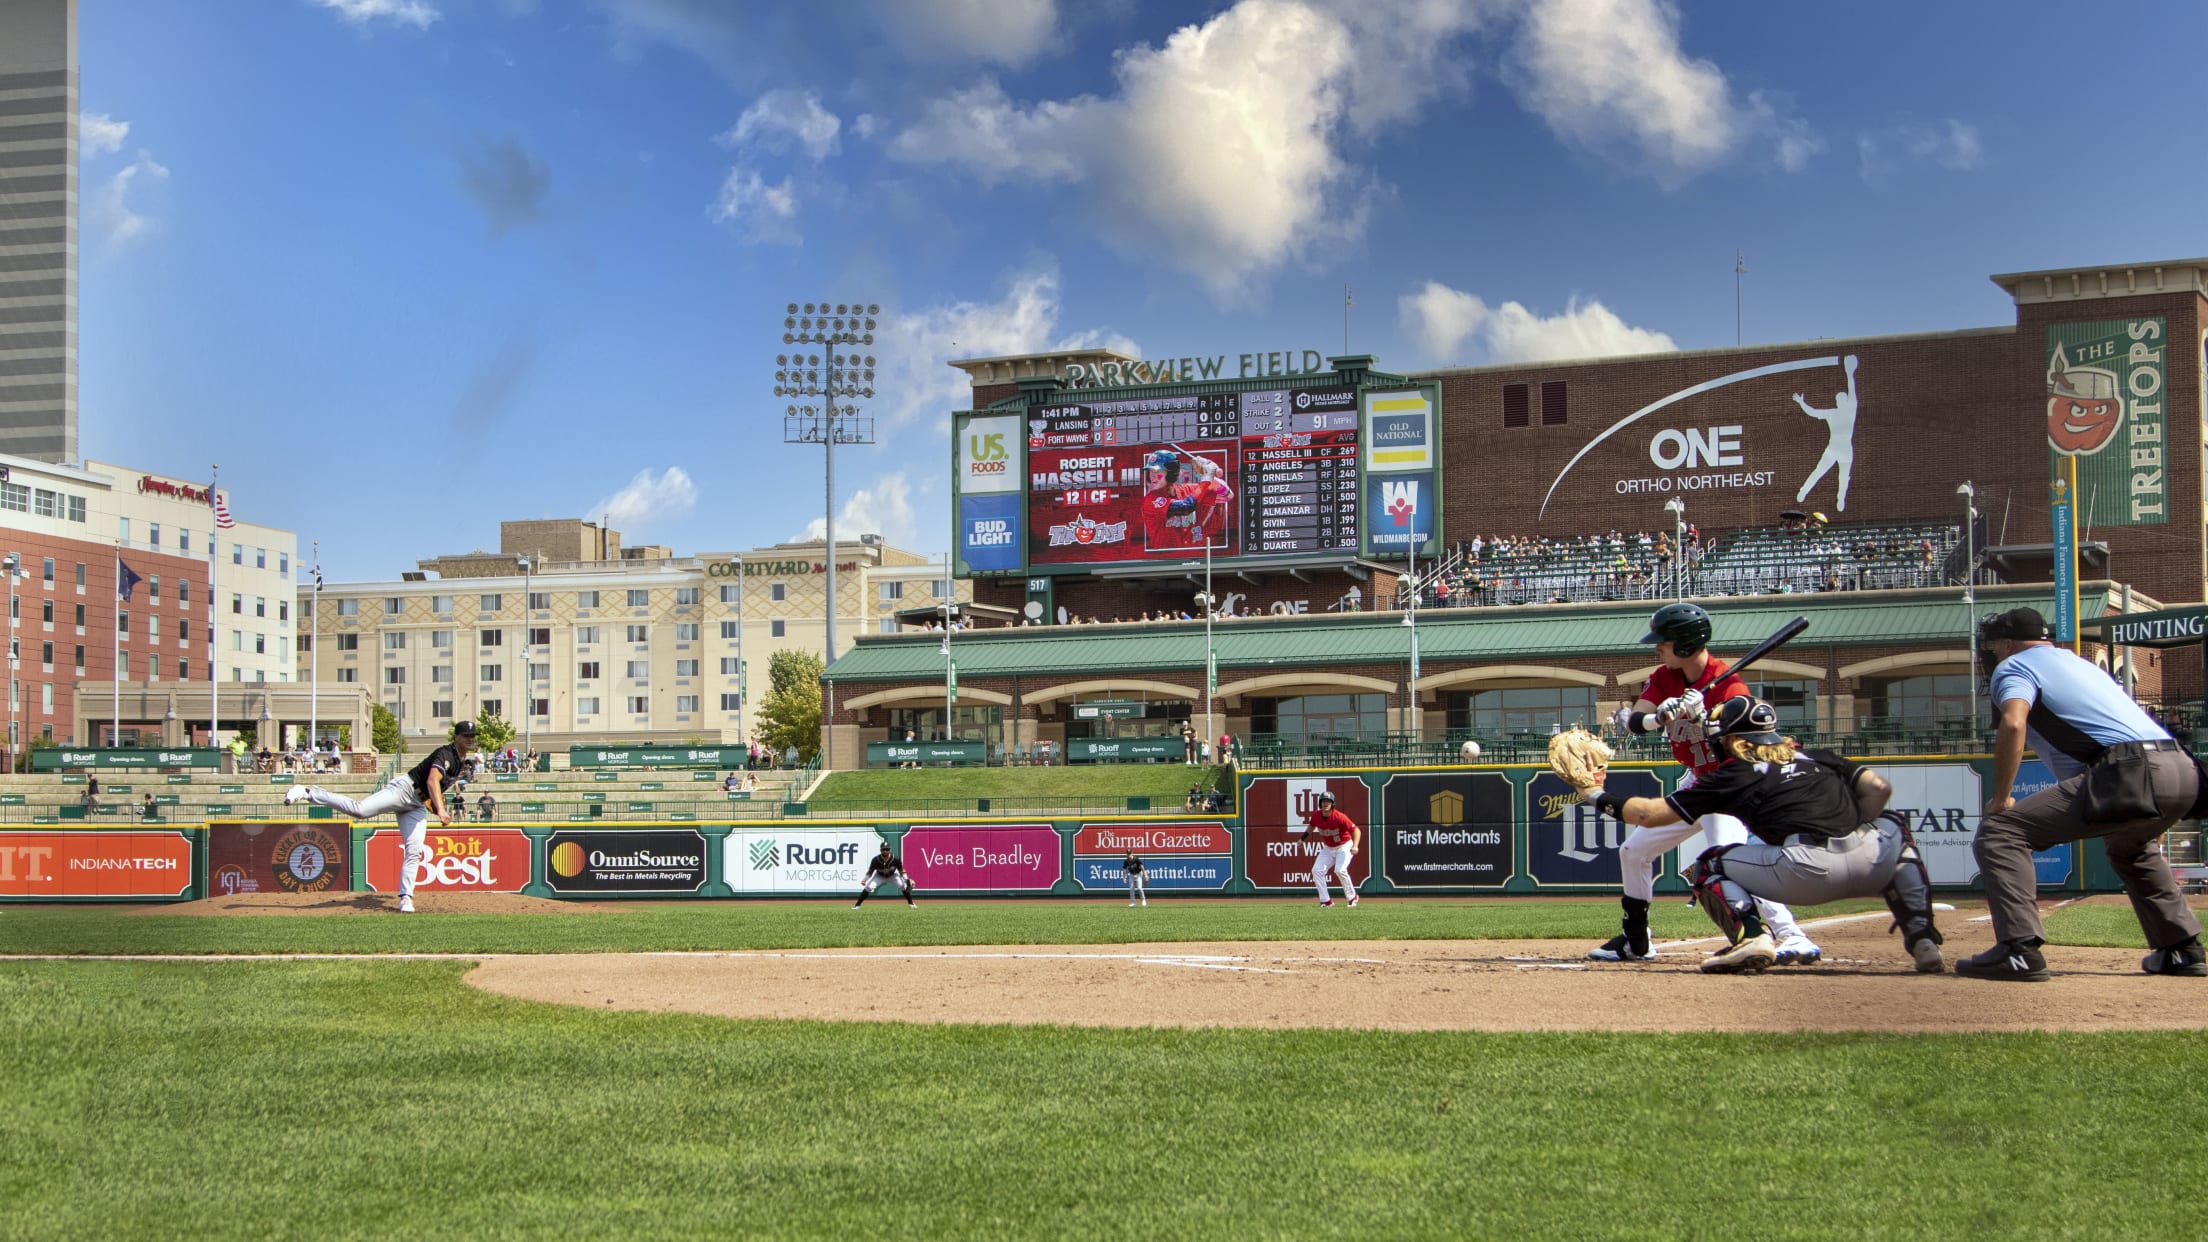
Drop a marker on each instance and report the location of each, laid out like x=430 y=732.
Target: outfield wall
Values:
x=1510 y=829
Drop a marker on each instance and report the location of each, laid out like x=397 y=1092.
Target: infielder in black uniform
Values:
x=885 y=867
x=1138 y=879
x=1820 y=831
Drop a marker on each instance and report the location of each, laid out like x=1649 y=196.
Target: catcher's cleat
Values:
x=1799 y=952
x=2187 y=958
x=2011 y=961
x=1619 y=948
x=1753 y=953
x=1926 y=954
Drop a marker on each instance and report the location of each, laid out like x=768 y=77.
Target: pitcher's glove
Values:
x=1581 y=758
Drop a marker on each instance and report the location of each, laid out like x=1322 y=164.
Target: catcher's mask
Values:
x=1750 y=719
x=1685 y=626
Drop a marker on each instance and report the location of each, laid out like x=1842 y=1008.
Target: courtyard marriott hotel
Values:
x=577 y=639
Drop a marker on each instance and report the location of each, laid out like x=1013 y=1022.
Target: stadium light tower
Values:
x=1970 y=594
x=1678 y=510
x=825 y=411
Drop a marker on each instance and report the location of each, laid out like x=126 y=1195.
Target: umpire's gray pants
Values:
x=2005 y=843
x=1806 y=871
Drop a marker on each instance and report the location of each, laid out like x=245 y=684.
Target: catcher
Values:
x=1820 y=827
x=885 y=868
x=1672 y=700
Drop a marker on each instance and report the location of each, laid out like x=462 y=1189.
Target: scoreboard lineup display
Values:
x=1267 y=473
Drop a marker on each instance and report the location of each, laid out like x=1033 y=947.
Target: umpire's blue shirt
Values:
x=2072 y=688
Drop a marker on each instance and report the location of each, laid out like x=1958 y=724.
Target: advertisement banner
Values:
x=2051 y=865
x=1119 y=749
x=989 y=533
x=52 y=758
x=988 y=455
x=2105 y=403
x=656 y=757
x=1399 y=431
x=925 y=752
x=277 y=858
x=480 y=860
x=1146 y=839
x=1400 y=511
x=1943 y=802
x=1274 y=851
x=1188 y=872
x=828 y=860
x=95 y=864
x=582 y=862
x=1447 y=831
x=1567 y=842
x=949 y=857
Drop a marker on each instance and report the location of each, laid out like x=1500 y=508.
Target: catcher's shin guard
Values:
x=1736 y=917
x=1635 y=926
x=1909 y=898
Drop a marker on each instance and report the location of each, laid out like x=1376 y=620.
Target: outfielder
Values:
x=415 y=796
x=1821 y=831
x=1138 y=880
x=885 y=867
x=1672 y=700
x=1337 y=836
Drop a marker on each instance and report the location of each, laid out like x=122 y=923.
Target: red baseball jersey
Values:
x=1688 y=745
x=1331 y=827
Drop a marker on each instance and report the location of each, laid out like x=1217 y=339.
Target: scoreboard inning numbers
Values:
x=1268 y=473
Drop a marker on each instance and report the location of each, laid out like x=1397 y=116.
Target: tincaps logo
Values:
x=765 y=855
x=1401 y=499
x=1084 y=531
x=1446 y=807
x=2084 y=406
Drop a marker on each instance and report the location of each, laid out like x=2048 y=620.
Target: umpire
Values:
x=2118 y=776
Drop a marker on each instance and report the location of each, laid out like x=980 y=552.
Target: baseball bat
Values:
x=1779 y=638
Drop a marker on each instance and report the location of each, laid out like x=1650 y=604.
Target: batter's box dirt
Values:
x=1528 y=985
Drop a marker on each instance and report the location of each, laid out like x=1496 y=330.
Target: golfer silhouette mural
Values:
x=1840 y=449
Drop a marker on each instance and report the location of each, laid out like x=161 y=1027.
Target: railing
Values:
x=575 y=809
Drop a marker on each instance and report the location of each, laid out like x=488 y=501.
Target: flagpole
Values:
x=214 y=603
x=314 y=648
x=115 y=735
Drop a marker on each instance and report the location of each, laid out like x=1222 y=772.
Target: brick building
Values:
x=2106 y=361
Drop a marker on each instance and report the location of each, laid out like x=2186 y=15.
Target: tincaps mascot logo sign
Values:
x=2085 y=406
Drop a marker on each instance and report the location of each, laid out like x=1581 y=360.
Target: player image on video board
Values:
x=1123 y=503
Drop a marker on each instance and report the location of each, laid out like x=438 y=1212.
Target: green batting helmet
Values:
x=1685 y=626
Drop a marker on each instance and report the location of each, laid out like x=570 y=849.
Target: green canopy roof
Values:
x=1451 y=635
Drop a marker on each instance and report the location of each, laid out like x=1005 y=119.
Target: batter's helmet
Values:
x=1743 y=717
x=1685 y=626
x=1326 y=797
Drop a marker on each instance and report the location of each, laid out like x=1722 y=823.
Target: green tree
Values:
x=383 y=730
x=790 y=714
x=492 y=731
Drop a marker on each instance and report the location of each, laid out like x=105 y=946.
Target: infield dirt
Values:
x=1864 y=984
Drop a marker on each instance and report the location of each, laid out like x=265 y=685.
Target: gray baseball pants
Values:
x=1805 y=871
x=397 y=795
x=2005 y=843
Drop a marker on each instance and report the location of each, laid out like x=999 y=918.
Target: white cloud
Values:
x=99 y=133
x=1611 y=77
x=1216 y=153
x=914 y=349
x=778 y=118
x=1005 y=32
x=416 y=13
x=884 y=509
x=113 y=212
x=648 y=499
x=1441 y=320
x=1951 y=144
x=763 y=212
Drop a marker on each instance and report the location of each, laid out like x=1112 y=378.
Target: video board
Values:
x=1267 y=473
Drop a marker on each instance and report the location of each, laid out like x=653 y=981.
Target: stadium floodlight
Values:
x=823 y=392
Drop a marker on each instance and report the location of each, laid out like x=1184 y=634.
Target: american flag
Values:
x=223 y=520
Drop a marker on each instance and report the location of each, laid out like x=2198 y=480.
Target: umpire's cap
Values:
x=2019 y=624
x=465 y=728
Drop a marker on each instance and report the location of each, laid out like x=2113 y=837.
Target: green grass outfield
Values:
x=336 y=1099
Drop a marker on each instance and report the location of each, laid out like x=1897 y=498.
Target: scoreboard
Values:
x=1153 y=475
x=1266 y=473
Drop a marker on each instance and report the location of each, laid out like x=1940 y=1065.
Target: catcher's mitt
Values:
x=1580 y=757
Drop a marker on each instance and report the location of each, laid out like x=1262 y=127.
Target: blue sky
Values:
x=409 y=267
